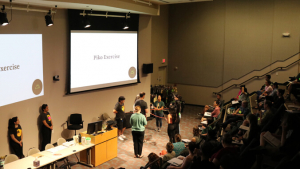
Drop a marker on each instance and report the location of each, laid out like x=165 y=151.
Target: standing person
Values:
x=143 y=105
x=47 y=126
x=138 y=122
x=16 y=136
x=158 y=107
x=177 y=105
x=172 y=120
x=119 y=110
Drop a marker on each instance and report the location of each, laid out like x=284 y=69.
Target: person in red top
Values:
x=228 y=148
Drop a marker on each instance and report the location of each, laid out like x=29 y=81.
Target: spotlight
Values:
x=48 y=19
x=126 y=25
x=3 y=17
x=87 y=23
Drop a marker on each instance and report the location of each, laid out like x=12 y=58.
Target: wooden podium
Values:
x=105 y=149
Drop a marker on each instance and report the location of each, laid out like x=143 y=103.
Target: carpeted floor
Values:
x=156 y=141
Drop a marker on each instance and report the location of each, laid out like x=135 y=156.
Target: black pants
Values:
x=138 y=138
x=231 y=119
x=46 y=136
x=171 y=132
x=18 y=150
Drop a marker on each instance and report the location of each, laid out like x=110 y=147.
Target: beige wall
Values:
x=213 y=42
x=55 y=57
x=160 y=28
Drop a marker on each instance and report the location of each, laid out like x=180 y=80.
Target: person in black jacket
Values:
x=16 y=136
x=177 y=106
x=279 y=100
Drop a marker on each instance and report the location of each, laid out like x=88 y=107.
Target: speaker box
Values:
x=148 y=68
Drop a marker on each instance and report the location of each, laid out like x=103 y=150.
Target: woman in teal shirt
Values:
x=138 y=122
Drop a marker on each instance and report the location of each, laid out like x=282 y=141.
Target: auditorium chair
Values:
x=76 y=122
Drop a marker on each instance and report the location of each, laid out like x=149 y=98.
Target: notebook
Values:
x=204 y=122
x=271 y=139
x=235 y=102
x=294 y=106
x=175 y=161
x=207 y=114
x=186 y=140
x=244 y=128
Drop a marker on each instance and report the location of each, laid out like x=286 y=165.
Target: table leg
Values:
x=89 y=158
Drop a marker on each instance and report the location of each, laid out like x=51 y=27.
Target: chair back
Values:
x=48 y=146
x=75 y=119
x=60 y=141
x=10 y=158
x=33 y=151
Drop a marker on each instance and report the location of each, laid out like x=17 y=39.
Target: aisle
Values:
x=157 y=142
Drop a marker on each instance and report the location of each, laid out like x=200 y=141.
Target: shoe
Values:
x=155 y=129
x=123 y=136
x=158 y=130
x=120 y=138
x=141 y=156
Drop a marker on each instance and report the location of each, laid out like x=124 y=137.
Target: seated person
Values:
x=274 y=91
x=201 y=160
x=239 y=114
x=230 y=162
x=152 y=157
x=252 y=132
x=214 y=114
x=187 y=161
x=264 y=118
x=178 y=145
x=279 y=100
x=210 y=108
x=262 y=89
x=242 y=95
x=268 y=89
x=228 y=148
x=292 y=89
x=196 y=135
x=170 y=153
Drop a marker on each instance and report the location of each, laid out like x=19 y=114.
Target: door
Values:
x=162 y=75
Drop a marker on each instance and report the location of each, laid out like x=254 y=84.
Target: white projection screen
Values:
x=21 y=67
x=101 y=59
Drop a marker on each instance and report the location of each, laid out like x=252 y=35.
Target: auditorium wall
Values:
x=213 y=42
x=55 y=58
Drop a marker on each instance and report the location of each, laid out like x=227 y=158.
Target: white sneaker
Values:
x=123 y=136
x=120 y=138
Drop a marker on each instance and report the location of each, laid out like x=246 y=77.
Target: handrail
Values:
x=257 y=77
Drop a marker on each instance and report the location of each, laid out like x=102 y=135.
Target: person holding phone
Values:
x=47 y=126
x=16 y=136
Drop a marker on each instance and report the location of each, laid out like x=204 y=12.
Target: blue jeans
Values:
x=258 y=94
x=158 y=120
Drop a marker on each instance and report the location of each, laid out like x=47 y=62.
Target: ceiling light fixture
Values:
x=3 y=17
x=48 y=19
x=126 y=24
x=143 y=2
x=86 y=20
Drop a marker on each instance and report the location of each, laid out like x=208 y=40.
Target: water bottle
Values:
x=79 y=138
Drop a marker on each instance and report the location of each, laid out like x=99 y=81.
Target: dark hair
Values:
x=268 y=103
x=253 y=120
x=152 y=157
x=192 y=146
x=178 y=96
x=243 y=86
x=268 y=76
x=227 y=139
x=196 y=131
x=44 y=107
x=121 y=98
x=219 y=94
x=229 y=161
x=177 y=137
x=268 y=82
x=169 y=147
x=211 y=134
x=11 y=122
x=142 y=94
x=206 y=149
x=281 y=91
x=275 y=84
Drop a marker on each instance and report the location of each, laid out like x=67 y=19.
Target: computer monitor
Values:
x=98 y=126
x=91 y=128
